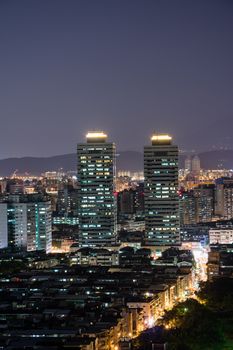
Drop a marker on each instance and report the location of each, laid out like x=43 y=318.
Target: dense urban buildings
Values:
x=112 y=243
x=124 y=249
x=50 y=304
x=108 y=246
x=197 y=205
x=161 y=192
x=97 y=208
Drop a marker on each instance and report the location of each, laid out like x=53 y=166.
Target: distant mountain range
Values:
x=126 y=160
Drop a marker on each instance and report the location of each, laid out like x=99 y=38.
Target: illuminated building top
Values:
x=164 y=139
x=96 y=136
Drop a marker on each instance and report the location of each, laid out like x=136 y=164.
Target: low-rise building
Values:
x=220 y=262
x=221 y=236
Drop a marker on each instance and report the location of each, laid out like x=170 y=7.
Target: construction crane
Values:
x=14 y=174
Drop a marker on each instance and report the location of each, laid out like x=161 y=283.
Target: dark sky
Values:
x=128 y=67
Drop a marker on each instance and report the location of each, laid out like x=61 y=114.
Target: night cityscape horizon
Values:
x=116 y=175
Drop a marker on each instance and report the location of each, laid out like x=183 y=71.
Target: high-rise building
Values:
x=188 y=164
x=224 y=198
x=126 y=202
x=204 y=197
x=187 y=208
x=25 y=222
x=96 y=200
x=196 y=165
x=197 y=205
x=139 y=198
x=161 y=192
x=67 y=201
x=131 y=201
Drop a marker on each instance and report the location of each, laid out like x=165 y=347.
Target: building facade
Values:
x=221 y=236
x=97 y=207
x=204 y=196
x=187 y=208
x=161 y=192
x=25 y=223
x=196 y=165
x=224 y=198
x=188 y=164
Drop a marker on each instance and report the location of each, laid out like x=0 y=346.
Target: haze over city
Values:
x=127 y=67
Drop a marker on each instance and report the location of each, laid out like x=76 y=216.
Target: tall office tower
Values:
x=96 y=200
x=25 y=222
x=224 y=198
x=161 y=192
x=188 y=164
x=196 y=165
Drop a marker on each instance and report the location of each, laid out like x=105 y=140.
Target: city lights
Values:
x=116 y=175
x=96 y=135
x=161 y=137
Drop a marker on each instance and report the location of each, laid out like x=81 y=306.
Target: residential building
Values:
x=25 y=222
x=187 y=208
x=224 y=198
x=204 y=195
x=221 y=236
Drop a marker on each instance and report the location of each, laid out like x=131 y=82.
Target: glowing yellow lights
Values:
x=96 y=135
x=151 y=321
x=161 y=137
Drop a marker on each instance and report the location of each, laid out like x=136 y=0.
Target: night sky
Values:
x=125 y=66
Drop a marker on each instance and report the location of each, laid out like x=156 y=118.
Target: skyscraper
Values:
x=161 y=192
x=96 y=201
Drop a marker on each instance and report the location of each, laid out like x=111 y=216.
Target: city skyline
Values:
x=116 y=174
x=119 y=66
